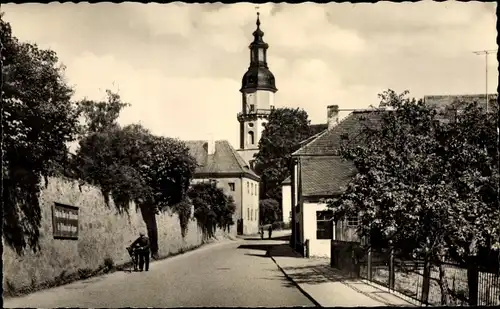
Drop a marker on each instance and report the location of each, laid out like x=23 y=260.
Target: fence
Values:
x=408 y=276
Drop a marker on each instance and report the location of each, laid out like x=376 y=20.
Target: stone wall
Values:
x=103 y=233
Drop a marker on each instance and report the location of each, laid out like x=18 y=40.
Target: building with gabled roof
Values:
x=219 y=162
x=319 y=173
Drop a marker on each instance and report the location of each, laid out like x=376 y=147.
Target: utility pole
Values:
x=486 y=54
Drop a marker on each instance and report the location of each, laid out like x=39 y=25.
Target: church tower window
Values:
x=251 y=138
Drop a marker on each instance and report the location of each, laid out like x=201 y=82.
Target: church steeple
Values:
x=258 y=89
x=258 y=75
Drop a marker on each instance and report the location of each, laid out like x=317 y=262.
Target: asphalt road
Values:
x=235 y=273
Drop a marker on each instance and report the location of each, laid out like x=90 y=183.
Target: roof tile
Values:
x=329 y=142
x=225 y=159
x=325 y=175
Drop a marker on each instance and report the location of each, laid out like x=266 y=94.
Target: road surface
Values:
x=236 y=273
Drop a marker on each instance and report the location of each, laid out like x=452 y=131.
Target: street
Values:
x=235 y=273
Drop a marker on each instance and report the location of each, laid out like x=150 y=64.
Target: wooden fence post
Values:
x=473 y=281
x=391 y=266
x=369 y=262
x=426 y=280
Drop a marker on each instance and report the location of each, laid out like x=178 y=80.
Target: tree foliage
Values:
x=38 y=119
x=427 y=185
x=212 y=208
x=269 y=211
x=133 y=165
x=100 y=116
x=285 y=129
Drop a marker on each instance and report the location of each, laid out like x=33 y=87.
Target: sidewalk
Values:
x=326 y=286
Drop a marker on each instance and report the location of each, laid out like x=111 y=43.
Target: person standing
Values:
x=142 y=250
x=270 y=230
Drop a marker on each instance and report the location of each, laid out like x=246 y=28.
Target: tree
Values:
x=212 y=208
x=269 y=210
x=101 y=115
x=284 y=131
x=426 y=185
x=131 y=164
x=38 y=120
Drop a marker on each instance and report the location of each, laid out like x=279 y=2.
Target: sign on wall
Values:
x=65 y=221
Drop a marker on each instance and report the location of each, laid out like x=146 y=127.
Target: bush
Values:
x=212 y=208
x=84 y=273
x=108 y=264
x=269 y=210
x=281 y=226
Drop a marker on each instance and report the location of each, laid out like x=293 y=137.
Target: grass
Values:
x=62 y=279
x=410 y=282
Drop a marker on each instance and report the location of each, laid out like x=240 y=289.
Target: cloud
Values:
x=181 y=65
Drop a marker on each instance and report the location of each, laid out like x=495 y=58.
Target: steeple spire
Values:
x=258 y=34
x=258 y=75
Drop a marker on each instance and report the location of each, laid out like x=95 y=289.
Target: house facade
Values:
x=286 y=200
x=318 y=173
x=219 y=162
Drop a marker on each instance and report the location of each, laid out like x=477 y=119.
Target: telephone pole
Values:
x=486 y=54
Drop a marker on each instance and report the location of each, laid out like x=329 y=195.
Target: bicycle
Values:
x=131 y=252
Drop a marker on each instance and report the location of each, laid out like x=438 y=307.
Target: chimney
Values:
x=211 y=145
x=332 y=115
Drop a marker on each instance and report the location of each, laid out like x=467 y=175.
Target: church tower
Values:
x=257 y=89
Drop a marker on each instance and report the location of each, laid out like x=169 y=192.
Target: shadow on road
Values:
x=264 y=247
x=282 y=250
x=257 y=237
x=265 y=255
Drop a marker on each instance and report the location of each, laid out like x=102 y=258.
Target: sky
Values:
x=180 y=65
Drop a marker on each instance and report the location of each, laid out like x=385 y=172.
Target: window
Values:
x=261 y=54
x=248 y=213
x=324 y=224
x=251 y=215
x=231 y=186
x=248 y=187
x=352 y=221
x=251 y=137
x=252 y=107
x=251 y=189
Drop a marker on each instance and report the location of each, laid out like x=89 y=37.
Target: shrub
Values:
x=108 y=264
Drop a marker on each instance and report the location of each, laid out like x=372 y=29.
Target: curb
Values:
x=297 y=285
